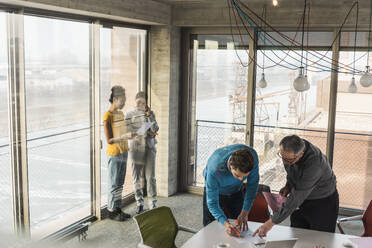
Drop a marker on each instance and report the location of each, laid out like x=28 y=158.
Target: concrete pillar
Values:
x=164 y=95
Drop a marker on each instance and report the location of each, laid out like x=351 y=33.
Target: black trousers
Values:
x=319 y=214
x=231 y=204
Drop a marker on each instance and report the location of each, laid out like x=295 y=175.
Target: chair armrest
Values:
x=186 y=229
x=351 y=218
x=140 y=245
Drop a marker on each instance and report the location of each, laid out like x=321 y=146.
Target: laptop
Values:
x=288 y=243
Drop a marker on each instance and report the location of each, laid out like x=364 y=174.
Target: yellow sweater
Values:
x=118 y=127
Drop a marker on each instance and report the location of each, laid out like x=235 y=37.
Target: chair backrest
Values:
x=158 y=227
x=260 y=211
x=367 y=221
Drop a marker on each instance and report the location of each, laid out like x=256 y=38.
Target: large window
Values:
x=122 y=63
x=280 y=110
x=57 y=110
x=6 y=219
x=218 y=90
x=56 y=59
x=353 y=139
x=220 y=74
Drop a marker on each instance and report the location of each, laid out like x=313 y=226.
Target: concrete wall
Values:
x=322 y=13
x=134 y=11
x=164 y=90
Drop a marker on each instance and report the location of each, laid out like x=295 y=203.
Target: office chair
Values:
x=259 y=211
x=158 y=228
x=366 y=218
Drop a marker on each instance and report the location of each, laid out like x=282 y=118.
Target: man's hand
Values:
x=230 y=229
x=242 y=221
x=264 y=229
x=284 y=191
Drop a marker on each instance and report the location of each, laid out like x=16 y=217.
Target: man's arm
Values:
x=155 y=127
x=289 y=182
x=299 y=194
x=212 y=191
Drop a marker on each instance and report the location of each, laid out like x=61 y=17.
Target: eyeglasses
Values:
x=288 y=160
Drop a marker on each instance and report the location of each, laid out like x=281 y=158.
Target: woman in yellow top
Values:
x=117 y=151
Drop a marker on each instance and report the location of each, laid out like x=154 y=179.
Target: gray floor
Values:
x=187 y=209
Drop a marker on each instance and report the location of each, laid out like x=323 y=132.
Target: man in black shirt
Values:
x=311 y=188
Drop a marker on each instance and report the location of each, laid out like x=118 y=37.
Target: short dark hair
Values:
x=292 y=143
x=141 y=94
x=116 y=91
x=242 y=159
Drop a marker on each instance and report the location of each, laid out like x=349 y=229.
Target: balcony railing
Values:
x=352 y=156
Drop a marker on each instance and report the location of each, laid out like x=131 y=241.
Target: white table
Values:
x=215 y=233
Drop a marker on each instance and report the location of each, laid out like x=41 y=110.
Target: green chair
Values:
x=158 y=228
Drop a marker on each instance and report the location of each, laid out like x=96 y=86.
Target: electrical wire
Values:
x=355 y=36
x=235 y=4
x=289 y=48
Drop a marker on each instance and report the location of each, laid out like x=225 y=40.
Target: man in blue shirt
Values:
x=224 y=174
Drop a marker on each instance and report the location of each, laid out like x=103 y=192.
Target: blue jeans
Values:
x=117 y=167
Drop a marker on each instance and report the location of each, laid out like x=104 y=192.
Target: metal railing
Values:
x=352 y=155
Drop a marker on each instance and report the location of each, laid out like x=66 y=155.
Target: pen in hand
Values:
x=236 y=231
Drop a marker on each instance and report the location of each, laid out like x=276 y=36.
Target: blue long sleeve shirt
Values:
x=220 y=181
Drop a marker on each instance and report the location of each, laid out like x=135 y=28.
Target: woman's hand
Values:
x=128 y=136
x=147 y=111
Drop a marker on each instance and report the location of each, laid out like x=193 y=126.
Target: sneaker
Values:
x=118 y=215
x=125 y=215
x=114 y=215
x=152 y=206
x=139 y=209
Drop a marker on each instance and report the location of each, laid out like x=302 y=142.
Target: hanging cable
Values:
x=369 y=31
x=355 y=35
x=316 y=52
x=307 y=37
x=303 y=30
x=262 y=28
x=282 y=44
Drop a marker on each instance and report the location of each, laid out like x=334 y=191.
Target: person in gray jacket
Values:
x=142 y=150
x=311 y=188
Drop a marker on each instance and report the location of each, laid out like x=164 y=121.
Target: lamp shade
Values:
x=262 y=83
x=300 y=83
x=352 y=87
x=366 y=78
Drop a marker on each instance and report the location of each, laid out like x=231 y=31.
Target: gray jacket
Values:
x=137 y=147
x=309 y=178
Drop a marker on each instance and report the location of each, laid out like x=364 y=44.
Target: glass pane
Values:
x=280 y=110
x=120 y=65
x=220 y=99
x=348 y=39
x=57 y=110
x=352 y=153
x=222 y=41
x=6 y=215
x=314 y=39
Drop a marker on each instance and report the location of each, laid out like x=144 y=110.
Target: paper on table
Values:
x=246 y=236
x=275 y=201
x=145 y=126
x=362 y=242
